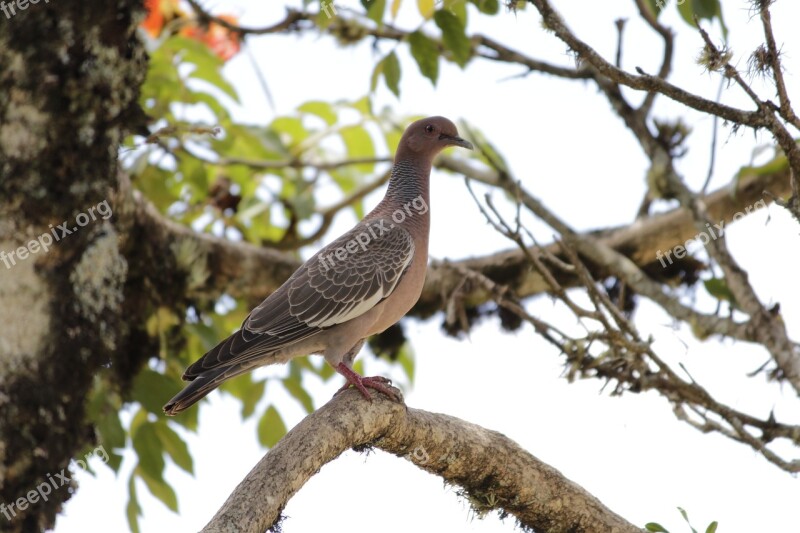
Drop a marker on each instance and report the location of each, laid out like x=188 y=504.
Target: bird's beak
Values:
x=453 y=140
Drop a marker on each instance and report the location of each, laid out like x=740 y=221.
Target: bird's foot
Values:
x=362 y=383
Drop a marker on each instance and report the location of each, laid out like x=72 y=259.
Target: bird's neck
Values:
x=408 y=183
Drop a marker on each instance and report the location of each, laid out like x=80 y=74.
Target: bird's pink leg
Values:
x=379 y=383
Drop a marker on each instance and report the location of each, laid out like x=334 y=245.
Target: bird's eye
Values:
x=429 y=128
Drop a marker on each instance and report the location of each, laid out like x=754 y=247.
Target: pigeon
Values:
x=357 y=286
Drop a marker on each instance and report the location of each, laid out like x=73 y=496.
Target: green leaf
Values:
x=376 y=74
x=175 y=446
x=206 y=334
x=251 y=398
x=454 y=36
x=712 y=527
x=154 y=183
x=391 y=73
x=211 y=74
x=484 y=149
x=114 y=461
x=271 y=428
x=195 y=174
x=291 y=126
x=375 y=10
x=207 y=65
x=347 y=178
x=703 y=9
x=407 y=360
x=426 y=54
x=457 y=8
x=188 y=419
x=139 y=419
x=148 y=447
x=132 y=510
x=293 y=385
x=395 y=8
x=161 y=490
x=392 y=137
x=112 y=434
x=359 y=145
x=326 y=371
x=686 y=11
x=685 y=516
x=719 y=289
x=321 y=109
x=254 y=142
x=304 y=204
x=194 y=97
x=490 y=7
x=426 y=8
x=652 y=526
x=153 y=390
x=362 y=105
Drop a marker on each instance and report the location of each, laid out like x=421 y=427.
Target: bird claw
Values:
x=378 y=383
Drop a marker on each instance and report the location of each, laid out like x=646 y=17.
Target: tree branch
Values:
x=786 y=110
x=292 y=21
x=243 y=270
x=494 y=471
x=645 y=82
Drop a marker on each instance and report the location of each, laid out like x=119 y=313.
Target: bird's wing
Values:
x=328 y=289
x=342 y=281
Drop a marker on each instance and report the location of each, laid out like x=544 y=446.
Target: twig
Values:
x=291 y=21
x=713 y=156
x=777 y=70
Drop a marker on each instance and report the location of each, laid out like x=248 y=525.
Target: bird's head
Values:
x=431 y=135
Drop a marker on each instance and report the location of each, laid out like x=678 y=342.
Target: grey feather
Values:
x=325 y=291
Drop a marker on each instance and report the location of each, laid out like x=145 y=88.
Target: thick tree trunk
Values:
x=70 y=74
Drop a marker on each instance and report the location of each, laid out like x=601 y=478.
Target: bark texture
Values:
x=69 y=76
x=494 y=471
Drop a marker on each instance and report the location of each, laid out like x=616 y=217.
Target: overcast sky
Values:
x=562 y=141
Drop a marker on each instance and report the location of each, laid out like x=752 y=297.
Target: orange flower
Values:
x=223 y=42
x=159 y=12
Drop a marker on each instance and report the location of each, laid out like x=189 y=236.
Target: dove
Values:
x=357 y=286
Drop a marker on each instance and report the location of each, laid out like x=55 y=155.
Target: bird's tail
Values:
x=199 y=387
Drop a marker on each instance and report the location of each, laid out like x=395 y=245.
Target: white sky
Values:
x=562 y=141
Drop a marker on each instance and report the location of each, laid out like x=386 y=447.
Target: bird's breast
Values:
x=405 y=295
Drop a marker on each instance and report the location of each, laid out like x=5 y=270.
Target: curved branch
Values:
x=494 y=471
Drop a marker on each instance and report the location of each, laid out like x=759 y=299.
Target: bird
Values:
x=357 y=286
